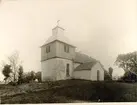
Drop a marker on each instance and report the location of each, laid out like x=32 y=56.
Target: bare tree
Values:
x=14 y=62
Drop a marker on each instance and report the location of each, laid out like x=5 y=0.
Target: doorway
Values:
x=98 y=75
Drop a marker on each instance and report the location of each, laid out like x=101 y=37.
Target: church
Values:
x=60 y=61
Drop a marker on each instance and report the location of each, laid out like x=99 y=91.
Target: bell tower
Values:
x=57 y=56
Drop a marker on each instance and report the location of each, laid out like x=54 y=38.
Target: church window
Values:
x=48 y=49
x=98 y=74
x=67 y=70
x=66 y=48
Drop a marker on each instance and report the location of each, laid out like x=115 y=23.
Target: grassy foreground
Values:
x=71 y=90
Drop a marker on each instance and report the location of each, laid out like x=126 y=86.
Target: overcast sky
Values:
x=100 y=28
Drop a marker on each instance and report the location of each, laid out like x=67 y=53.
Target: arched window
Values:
x=98 y=75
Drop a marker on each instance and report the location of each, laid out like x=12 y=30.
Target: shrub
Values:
x=13 y=83
x=129 y=77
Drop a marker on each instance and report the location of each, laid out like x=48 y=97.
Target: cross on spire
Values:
x=58 y=22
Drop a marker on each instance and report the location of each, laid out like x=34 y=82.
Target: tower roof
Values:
x=58 y=34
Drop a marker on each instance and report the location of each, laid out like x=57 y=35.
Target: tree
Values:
x=26 y=77
x=6 y=71
x=129 y=76
x=127 y=61
x=14 y=62
x=107 y=75
x=110 y=71
x=20 y=75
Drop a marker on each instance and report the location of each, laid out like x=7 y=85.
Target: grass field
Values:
x=71 y=91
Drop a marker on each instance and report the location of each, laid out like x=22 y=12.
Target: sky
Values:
x=100 y=28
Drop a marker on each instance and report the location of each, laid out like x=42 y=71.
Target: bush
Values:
x=107 y=76
x=12 y=83
x=129 y=77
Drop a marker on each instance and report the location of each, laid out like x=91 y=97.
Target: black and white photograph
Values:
x=68 y=51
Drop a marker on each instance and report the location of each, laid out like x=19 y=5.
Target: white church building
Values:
x=60 y=61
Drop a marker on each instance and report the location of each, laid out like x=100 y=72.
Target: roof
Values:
x=86 y=61
x=59 y=37
x=82 y=58
x=85 y=66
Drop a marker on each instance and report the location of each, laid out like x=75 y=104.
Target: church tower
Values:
x=57 y=56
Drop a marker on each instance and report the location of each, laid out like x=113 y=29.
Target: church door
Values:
x=67 y=70
x=98 y=75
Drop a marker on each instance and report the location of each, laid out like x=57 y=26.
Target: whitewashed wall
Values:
x=83 y=74
x=94 y=69
x=90 y=74
x=55 y=69
x=61 y=53
x=51 y=54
